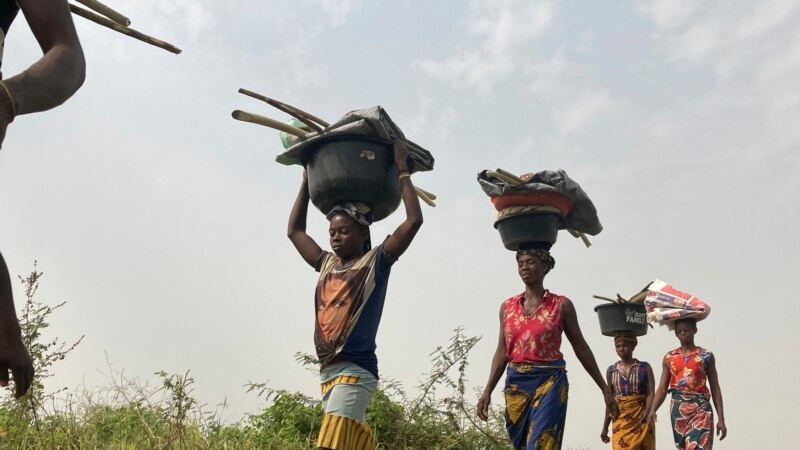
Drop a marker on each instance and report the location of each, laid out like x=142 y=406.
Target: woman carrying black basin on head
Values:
x=529 y=349
x=633 y=387
x=349 y=302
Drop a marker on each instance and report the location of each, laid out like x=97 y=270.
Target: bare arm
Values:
x=47 y=83
x=304 y=244
x=58 y=74
x=399 y=241
x=579 y=345
x=660 y=393
x=651 y=387
x=573 y=331
x=716 y=396
x=606 y=418
x=499 y=363
x=13 y=354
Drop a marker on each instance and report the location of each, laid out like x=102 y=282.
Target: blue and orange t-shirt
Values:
x=348 y=307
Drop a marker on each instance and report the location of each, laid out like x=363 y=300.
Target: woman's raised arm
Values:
x=399 y=241
x=304 y=244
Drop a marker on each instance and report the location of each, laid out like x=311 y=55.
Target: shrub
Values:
x=129 y=414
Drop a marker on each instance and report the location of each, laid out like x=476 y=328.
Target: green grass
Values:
x=129 y=414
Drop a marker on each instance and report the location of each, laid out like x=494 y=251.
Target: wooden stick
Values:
x=98 y=19
x=267 y=122
x=106 y=11
x=510 y=175
x=292 y=111
x=639 y=297
x=430 y=195
x=578 y=234
x=425 y=198
x=621 y=298
x=502 y=177
x=297 y=113
x=585 y=239
x=600 y=297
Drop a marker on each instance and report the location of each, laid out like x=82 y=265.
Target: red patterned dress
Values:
x=690 y=407
x=536 y=387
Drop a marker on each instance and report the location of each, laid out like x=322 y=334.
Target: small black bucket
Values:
x=616 y=317
x=353 y=169
x=524 y=228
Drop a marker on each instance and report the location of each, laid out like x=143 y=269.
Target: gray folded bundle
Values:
x=372 y=122
x=583 y=216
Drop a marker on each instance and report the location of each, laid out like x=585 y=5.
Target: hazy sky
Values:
x=161 y=220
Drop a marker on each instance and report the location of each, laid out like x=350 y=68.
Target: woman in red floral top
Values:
x=529 y=347
x=685 y=371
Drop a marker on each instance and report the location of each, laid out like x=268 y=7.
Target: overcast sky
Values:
x=161 y=220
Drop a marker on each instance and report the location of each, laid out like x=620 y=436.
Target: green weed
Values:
x=131 y=414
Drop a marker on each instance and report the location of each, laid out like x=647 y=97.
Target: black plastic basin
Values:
x=525 y=228
x=616 y=317
x=353 y=169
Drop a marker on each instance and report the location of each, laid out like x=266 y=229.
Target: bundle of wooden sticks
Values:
x=112 y=19
x=638 y=298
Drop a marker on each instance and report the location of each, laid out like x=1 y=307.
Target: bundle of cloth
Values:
x=547 y=191
x=371 y=122
x=665 y=305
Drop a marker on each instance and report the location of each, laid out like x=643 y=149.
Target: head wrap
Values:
x=626 y=337
x=544 y=256
x=358 y=211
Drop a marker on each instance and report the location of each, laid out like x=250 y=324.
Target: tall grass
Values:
x=130 y=413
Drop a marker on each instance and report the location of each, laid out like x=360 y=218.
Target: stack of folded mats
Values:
x=531 y=208
x=665 y=305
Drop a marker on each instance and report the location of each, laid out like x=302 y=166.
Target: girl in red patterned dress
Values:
x=529 y=348
x=685 y=370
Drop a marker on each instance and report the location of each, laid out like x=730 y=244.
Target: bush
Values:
x=129 y=414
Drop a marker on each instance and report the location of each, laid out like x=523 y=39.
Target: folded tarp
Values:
x=372 y=122
x=583 y=216
x=665 y=305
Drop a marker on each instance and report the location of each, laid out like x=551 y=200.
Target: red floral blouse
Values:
x=534 y=338
x=688 y=373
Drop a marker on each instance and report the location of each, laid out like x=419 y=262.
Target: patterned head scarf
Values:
x=543 y=254
x=626 y=337
x=358 y=211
